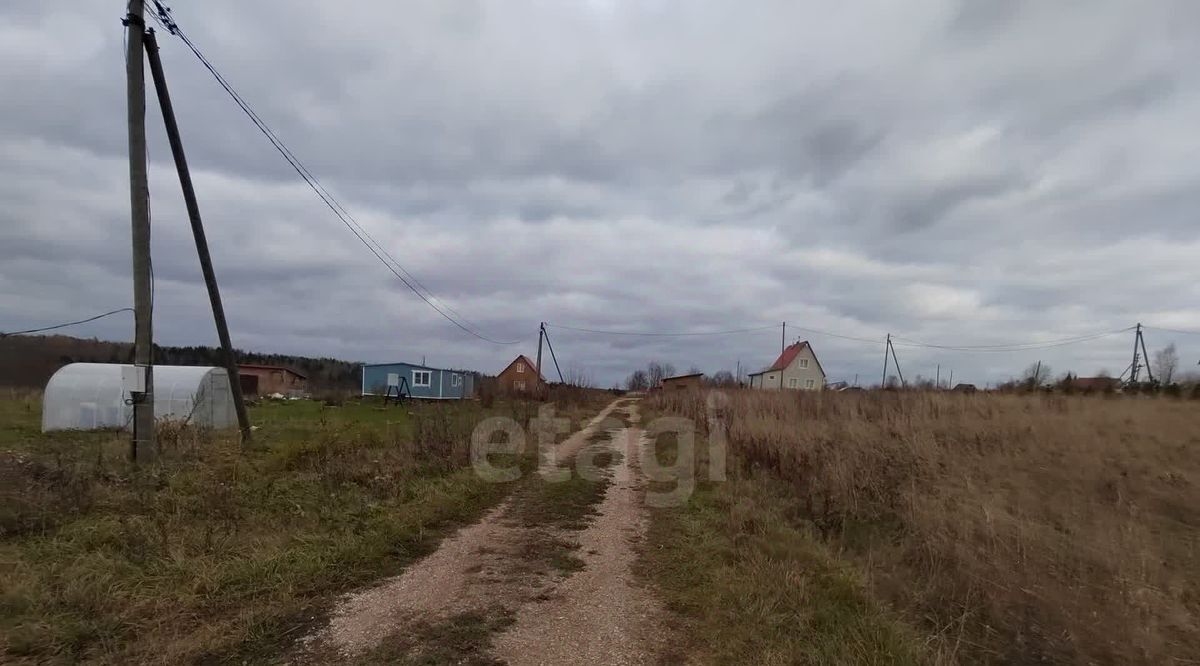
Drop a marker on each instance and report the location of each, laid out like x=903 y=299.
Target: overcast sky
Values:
x=953 y=172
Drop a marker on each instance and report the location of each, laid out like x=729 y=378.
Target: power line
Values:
x=1013 y=347
x=1172 y=330
x=164 y=19
x=873 y=341
x=64 y=325
x=649 y=334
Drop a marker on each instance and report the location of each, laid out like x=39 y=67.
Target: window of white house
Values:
x=421 y=377
x=519 y=384
x=456 y=380
x=803 y=363
x=809 y=383
x=792 y=382
x=520 y=367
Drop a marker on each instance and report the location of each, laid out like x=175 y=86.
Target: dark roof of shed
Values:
x=694 y=374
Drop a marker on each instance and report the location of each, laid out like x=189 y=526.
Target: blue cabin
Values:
x=422 y=381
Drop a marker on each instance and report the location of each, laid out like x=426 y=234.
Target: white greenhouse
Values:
x=92 y=396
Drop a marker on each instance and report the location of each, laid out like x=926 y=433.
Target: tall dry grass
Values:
x=1011 y=529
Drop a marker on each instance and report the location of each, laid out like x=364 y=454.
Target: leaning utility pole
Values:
x=193 y=209
x=888 y=348
x=887 y=345
x=896 y=361
x=143 y=446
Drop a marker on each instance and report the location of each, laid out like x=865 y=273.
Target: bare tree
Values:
x=1037 y=374
x=655 y=372
x=694 y=371
x=577 y=376
x=723 y=379
x=638 y=381
x=1166 y=362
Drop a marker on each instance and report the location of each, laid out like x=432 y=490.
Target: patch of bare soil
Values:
x=600 y=614
x=552 y=564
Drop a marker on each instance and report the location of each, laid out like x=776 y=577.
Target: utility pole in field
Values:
x=143 y=445
x=783 y=338
x=888 y=348
x=1139 y=343
x=937 y=382
x=193 y=209
x=541 y=334
x=887 y=345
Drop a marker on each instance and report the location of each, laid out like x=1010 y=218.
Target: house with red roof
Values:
x=521 y=377
x=796 y=369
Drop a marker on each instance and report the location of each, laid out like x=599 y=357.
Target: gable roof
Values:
x=789 y=354
x=528 y=362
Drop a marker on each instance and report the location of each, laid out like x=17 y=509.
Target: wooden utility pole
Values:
x=143 y=446
x=783 y=339
x=887 y=345
x=193 y=209
x=888 y=348
x=541 y=334
x=937 y=382
x=1141 y=360
x=896 y=361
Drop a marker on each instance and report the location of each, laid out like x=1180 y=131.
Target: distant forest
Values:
x=27 y=361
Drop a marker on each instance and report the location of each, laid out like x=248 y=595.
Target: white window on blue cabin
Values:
x=421 y=377
x=456 y=380
x=393 y=379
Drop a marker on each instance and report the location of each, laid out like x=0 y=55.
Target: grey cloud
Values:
x=970 y=173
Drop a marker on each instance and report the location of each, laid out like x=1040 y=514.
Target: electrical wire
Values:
x=64 y=325
x=873 y=341
x=1170 y=330
x=164 y=19
x=1015 y=347
x=661 y=335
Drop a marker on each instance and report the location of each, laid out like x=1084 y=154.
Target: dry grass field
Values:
x=214 y=554
x=949 y=528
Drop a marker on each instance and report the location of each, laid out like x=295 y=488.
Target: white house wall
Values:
x=771 y=380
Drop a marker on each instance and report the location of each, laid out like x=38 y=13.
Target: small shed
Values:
x=94 y=396
x=422 y=381
x=690 y=382
x=259 y=379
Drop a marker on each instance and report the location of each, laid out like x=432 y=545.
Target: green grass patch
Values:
x=214 y=553
x=750 y=584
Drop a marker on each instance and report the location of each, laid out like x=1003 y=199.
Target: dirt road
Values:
x=545 y=578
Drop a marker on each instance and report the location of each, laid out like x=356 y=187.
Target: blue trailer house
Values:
x=420 y=381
